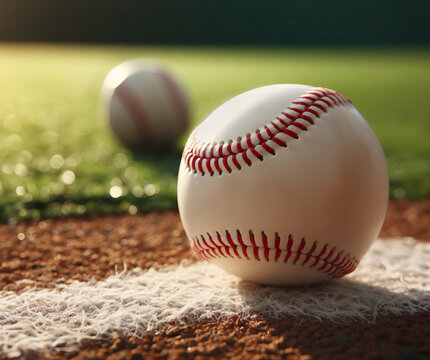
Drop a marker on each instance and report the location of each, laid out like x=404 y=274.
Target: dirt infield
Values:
x=57 y=250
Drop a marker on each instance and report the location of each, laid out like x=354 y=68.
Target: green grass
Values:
x=50 y=124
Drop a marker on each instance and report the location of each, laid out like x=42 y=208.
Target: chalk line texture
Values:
x=393 y=278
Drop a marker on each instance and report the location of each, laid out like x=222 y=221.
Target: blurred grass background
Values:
x=58 y=157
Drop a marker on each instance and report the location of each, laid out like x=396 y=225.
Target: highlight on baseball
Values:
x=283 y=185
x=145 y=105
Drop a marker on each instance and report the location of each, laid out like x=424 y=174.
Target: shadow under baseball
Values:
x=344 y=319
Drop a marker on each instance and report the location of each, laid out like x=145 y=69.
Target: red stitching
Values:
x=299 y=251
x=291 y=117
x=300 y=126
x=254 y=245
x=239 y=238
x=230 y=241
x=266 y=246
x=177 y=98
x=137 y=111
x=307 y=108
x=216 y=245
x=309 y=254
x=235 y=162
x=289 y=245
x=341 y=264
x=277 y=244
x=246 y=159
x=268 y=148
x=208 y=165
x=218 y=235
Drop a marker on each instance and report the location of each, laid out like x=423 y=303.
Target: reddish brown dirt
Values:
x=390 y=338
x=408 y=219
x=56 y=250
x=77 y=248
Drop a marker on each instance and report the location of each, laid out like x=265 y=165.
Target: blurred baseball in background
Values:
x=145 y=105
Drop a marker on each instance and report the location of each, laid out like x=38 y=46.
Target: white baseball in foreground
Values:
x=283 y=185
x=146 y=106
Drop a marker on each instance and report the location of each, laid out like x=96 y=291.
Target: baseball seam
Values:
x=136 y=110
x=202 y=157
x=177 y=99
x=324 y=258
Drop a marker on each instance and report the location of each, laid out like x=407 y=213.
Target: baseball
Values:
x=283 y=185
x=146 y=106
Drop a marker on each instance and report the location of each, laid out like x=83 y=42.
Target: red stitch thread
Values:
x=249 y=142
x=246 y=159
x=208 y=248
x=197 y=245
x=235 y=162
x=291 y=117
x=216 y=245
x=336 y=258
x=208 y=165
x=229 y=148
x=279 y=142
x=269 y=132
x=306 y=108
x=193 y=162
x=266 y=245
x=300 y=103
x=330 y=254
x=289 y=245
x=225 y=247
x=300 y=126
x=260 y=137
x=317 y=260
x=299 y=251
x=276 y=127
x=177 y=98
x=311 y=251
x=313 y=112
x=277 y=244
x=204 y=251
x=290 y=133
x=256 y=154
x=343 y=260
x=254 y=245
x=220 y=154
x=323 y=250
x=296 y=110
x=239 y=238
x=200 y=167
x=325 y=262
x=225 y=163
x=217 y=167
x=137 y=111
x=282 y=121
x=328 y=103
x=230 y=241
x=268 y=148
x=308 y=119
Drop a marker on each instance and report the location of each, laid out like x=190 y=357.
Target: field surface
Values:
x=58 y=158
x=62 y=324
